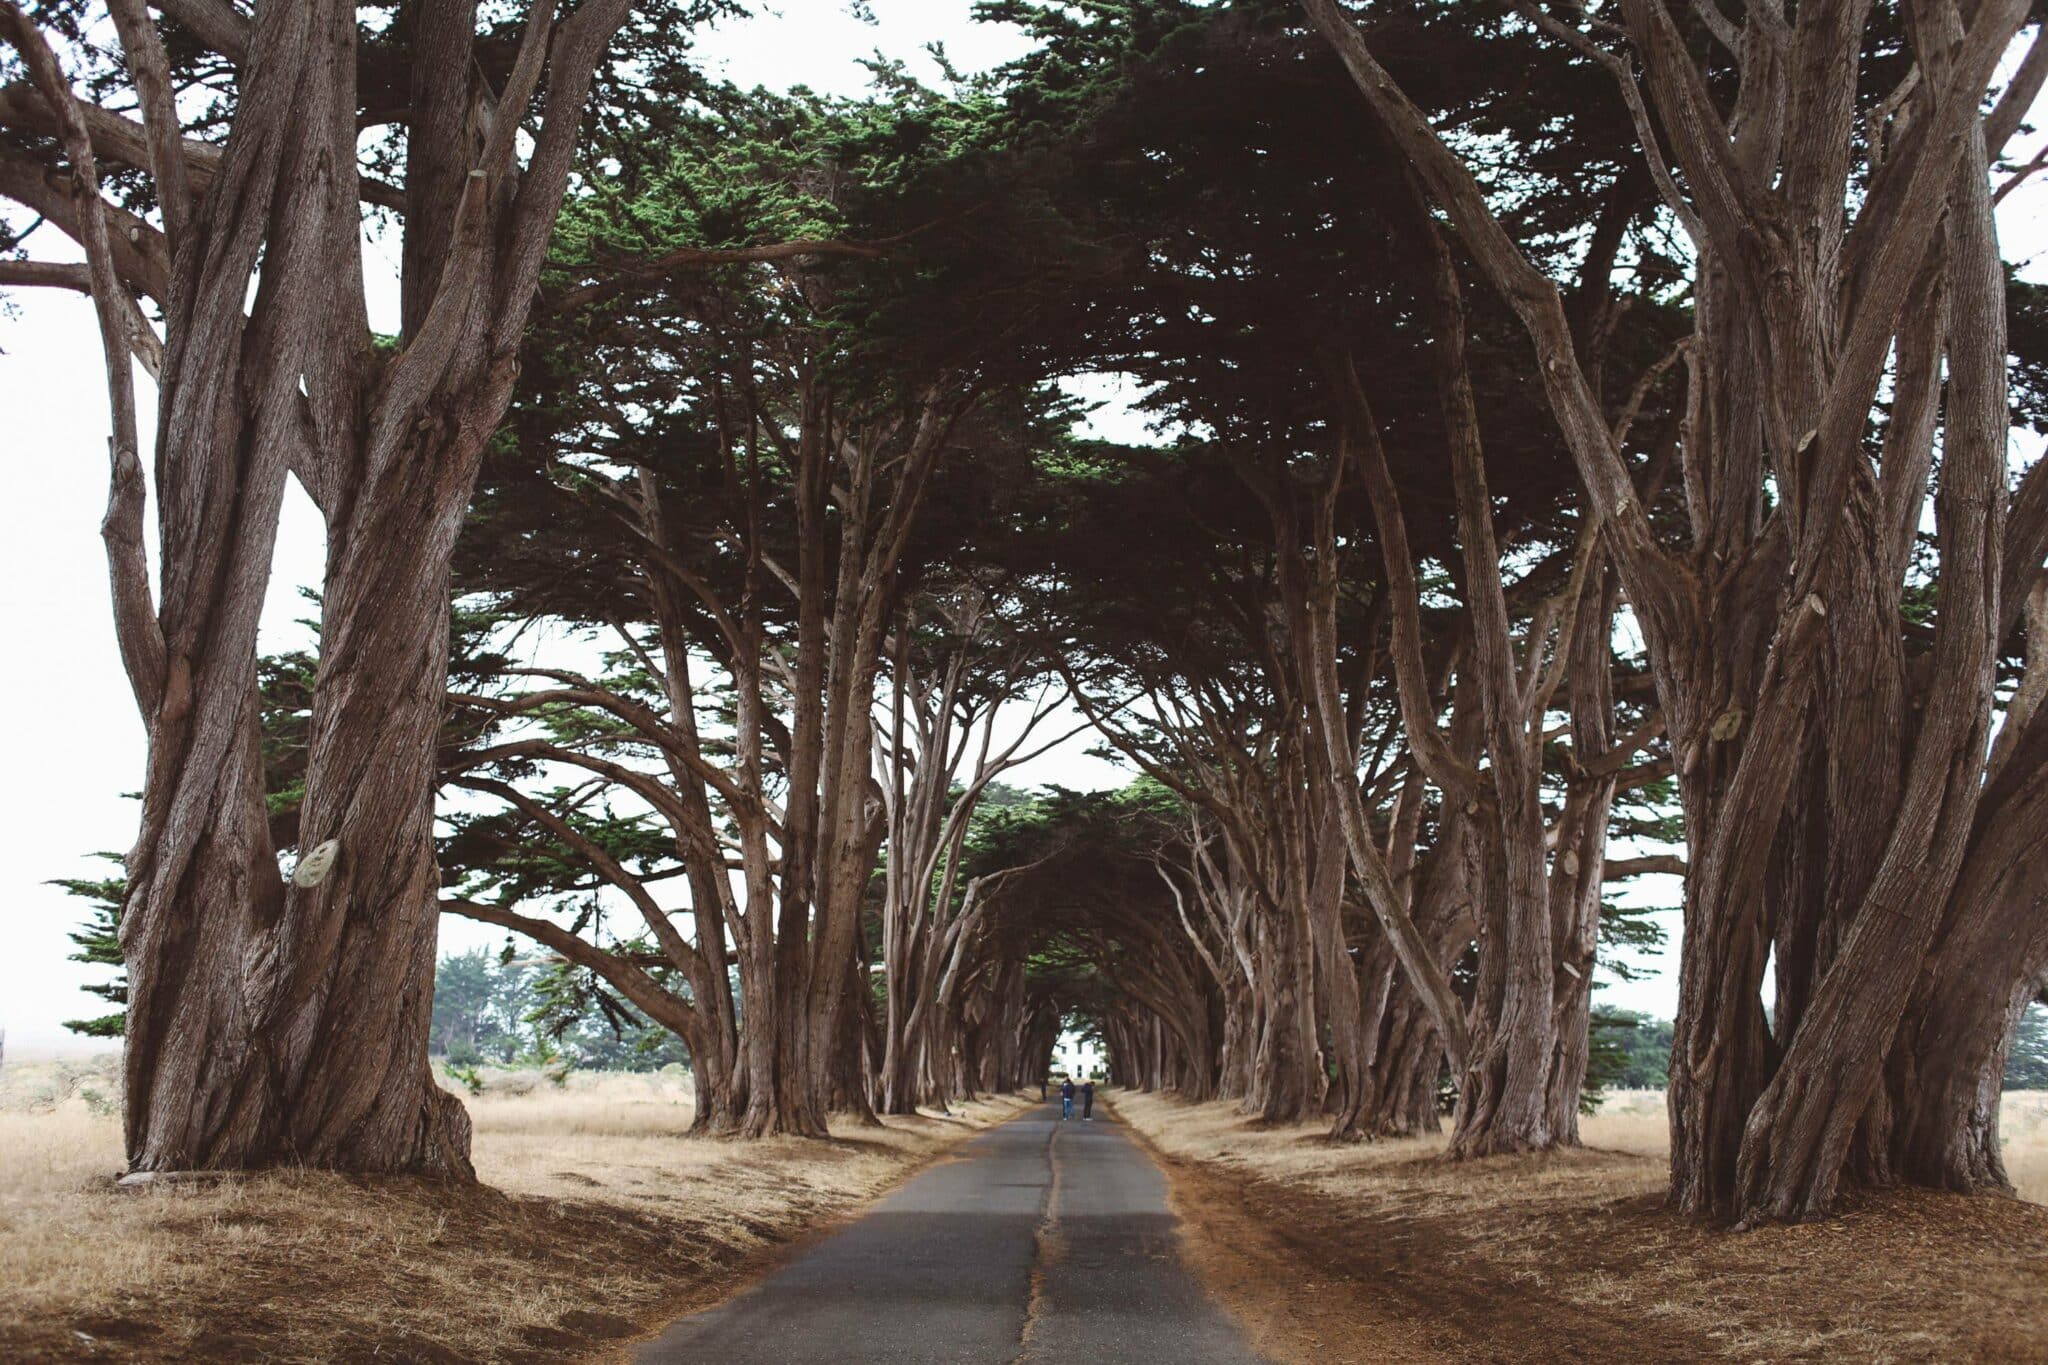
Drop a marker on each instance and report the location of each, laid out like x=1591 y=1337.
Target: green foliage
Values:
x=99 y=945
x=493 y=1008
x=1649 y=813
x=1629 y=927
x=480 y=1002
x=1083 y=854
x=574 y=1012
x=499 y=856
x=2026 y=312
x=285 y=686
x=1630 y=1051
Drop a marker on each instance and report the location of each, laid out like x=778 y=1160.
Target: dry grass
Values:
x=1633 y=1121
x=598 y=1220
x=2023 y=1123
x=1572 y=1257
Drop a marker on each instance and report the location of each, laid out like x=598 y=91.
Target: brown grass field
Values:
x=597 y=1222
x=1384 y=1253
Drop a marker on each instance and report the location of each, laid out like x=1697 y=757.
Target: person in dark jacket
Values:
x=1088 y=1100
x=1067 y=1098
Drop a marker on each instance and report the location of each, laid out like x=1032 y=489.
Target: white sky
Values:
x=79 y=744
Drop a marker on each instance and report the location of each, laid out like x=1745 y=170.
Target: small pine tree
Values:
x=480 y=998
x=1606 y=1056
x=99 y=945
x=1639 y=1048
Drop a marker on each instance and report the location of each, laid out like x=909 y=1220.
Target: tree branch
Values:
x=579 y=44
x=217 y=23
x=143 y=49
x=136 y=626
x=632 y=982
x=2026 y=545
x=1418 y=708
x=1653 y=581
x=1616 y=869
x=139 y=257
x=2018 y=97
x=1724 y=29
x=70 y=275
x=1639 y=114
x=665 y=933
x=628 y=273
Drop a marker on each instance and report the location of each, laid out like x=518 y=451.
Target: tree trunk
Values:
x=1502 y=1095
x=1937 y=1122
x=363 y=940
x=1408 y=1065
x=1579 y=871
x=1338 y=993
x=1286 y=1078
x=275 y=1023
x=1797 y=313
x=852 y=1065
x=721 y=1099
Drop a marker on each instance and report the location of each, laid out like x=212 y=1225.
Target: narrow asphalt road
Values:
x=1039 y=1240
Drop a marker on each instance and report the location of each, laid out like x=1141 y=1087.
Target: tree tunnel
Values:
x=1461 y=548
x=1119 y=914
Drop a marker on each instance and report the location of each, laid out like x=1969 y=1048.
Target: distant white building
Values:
x=1077 y=1057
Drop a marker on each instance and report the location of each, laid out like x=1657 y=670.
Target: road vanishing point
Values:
x=1040 y=1240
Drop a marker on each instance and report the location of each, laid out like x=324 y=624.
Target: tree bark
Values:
x=1775 y=659
x=278 y=1022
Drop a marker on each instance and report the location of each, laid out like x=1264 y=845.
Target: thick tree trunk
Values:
x=1240 y=1030
x=1286 y=1076
x=1502 y=1097
x=289 y=1023
x=1937 y=1121
x=783 y=1095
x=1351 y=1034
x=721 y=1099
x=852 y=1061
x=903 y=1066
x=1408 y=1066
x=198 y=1094
x=277 y=1023
x=329 y=963
x=362 y=942
x=1797 y=312
x=204 y=887
x=1798 y=1138
x=1722 y=1049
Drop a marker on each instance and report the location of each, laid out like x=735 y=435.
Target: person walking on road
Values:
x=1067 y=1098
x=1088 y=1100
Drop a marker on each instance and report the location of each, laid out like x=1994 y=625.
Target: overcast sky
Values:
x=80 y=746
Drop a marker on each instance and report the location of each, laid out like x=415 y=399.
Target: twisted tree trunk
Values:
x=1775 y=657
x=286 y=1022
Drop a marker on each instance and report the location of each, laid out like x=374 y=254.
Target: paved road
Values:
x=1037 y=1241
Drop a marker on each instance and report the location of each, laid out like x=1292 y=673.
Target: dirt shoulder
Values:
x=597 y=1223
x=1381 y=1253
